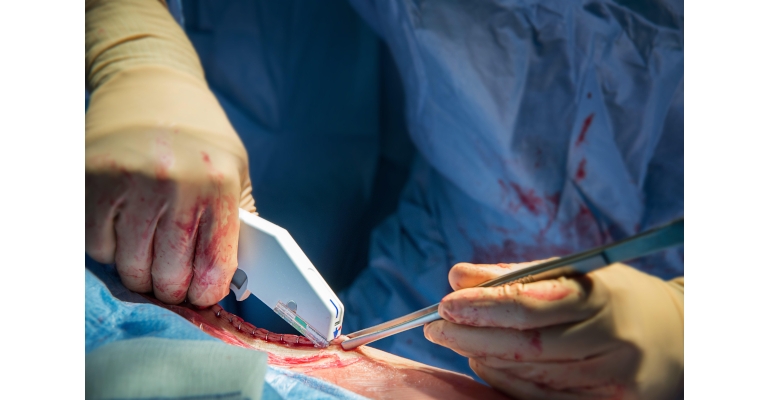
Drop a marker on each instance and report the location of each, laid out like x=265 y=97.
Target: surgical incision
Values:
x=258 y=333
x=366 y=371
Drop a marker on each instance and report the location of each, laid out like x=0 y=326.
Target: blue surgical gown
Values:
x=394 y=139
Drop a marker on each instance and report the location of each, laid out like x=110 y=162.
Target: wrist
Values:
x=160 y=98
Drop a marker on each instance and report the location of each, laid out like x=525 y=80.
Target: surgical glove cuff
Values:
x=159 y=97
x=659 y=308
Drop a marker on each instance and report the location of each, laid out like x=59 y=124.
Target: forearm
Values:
x=129 y=33
x=161 y=81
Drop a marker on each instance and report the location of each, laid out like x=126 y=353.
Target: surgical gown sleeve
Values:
x=543 y=128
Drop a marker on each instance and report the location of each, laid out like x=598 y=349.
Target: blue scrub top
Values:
x=394 y=139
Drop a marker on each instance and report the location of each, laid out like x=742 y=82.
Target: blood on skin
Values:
x=188 y=227
x=178 y=294
x=535 y=341
x=212 y=252
x=330 y=360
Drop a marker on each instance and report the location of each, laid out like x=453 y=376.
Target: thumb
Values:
x=465 y=275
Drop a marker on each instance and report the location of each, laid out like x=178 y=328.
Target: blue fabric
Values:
x=293 y=385
x=109 y=319
x=542 y=128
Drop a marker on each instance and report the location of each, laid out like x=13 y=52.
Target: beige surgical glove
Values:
x=165 y=171
x=616 y=333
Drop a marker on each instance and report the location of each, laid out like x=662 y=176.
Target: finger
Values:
x=508 y=344
x=216 y=251
x=603 y=370
x=104 y=197
x=135 y=230
x=560 y=343
x=524 y=389
x=523 y=306
x=465 y=275
x=173 y=249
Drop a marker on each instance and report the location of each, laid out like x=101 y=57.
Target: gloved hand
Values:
x=165 y=170
x=616 y=332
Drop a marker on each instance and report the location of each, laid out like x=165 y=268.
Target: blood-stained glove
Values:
x=615 y=333
x=165 y=170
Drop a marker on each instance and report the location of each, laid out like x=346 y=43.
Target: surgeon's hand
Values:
x=165 y=170
x=615 y=333
x=163 y=187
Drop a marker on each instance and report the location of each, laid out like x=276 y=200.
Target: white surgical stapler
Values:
x=272 y=267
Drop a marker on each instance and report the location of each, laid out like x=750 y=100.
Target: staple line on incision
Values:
x=282 y=338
